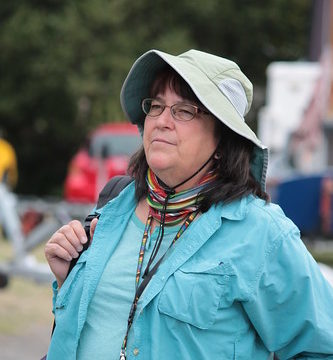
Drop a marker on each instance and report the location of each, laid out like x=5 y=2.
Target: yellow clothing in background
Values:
x=8 y=164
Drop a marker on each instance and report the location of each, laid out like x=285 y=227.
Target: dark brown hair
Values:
x=234 y=176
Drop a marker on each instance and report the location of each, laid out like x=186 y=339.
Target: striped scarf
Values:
x=179 y=204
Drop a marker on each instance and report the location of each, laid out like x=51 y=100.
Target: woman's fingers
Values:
x=79 y=231
x=55 y=251
x=66 y=243
x=73 y=233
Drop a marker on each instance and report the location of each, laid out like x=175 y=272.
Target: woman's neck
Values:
x=142 y=211
x=172 y=181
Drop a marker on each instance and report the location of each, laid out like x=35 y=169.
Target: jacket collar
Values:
x=236 y=210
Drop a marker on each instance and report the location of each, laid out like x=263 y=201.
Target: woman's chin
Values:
x=159 y=169
x=160 y=164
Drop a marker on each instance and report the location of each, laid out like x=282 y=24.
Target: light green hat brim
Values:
x=203 y=73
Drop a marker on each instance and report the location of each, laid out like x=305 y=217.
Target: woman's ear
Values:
x=217 y=155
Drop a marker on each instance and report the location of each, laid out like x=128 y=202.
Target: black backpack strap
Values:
x=111 y=190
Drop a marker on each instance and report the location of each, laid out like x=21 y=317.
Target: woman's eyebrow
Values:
x=182 y=101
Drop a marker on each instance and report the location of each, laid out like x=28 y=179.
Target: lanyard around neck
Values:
x=148 y=274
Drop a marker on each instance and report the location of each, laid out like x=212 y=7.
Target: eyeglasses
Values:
x=181 y=111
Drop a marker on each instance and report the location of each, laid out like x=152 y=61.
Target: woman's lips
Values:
x=164 y=141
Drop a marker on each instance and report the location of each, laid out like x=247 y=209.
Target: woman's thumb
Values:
x=93 y=227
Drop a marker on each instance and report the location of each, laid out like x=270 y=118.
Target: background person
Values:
x=8 y=164
x=226 y=273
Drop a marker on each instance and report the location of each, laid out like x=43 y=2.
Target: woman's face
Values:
x=174 y=149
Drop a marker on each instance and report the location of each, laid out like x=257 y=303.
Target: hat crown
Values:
x=219 y=70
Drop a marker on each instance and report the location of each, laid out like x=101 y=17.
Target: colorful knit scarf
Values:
x=180 y=204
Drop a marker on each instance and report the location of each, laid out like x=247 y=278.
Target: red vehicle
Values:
x=105 y=154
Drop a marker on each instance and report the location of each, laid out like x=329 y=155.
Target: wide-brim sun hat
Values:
x=217 y=82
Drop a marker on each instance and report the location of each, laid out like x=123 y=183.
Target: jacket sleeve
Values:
x=291 y=306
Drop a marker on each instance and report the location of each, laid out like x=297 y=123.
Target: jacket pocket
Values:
x=192 y=294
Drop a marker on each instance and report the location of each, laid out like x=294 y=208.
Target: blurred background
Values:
x=63 y=134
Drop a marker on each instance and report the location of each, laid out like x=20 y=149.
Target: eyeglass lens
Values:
x=183 y=112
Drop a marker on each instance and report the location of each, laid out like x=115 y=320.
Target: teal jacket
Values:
x=240 y=285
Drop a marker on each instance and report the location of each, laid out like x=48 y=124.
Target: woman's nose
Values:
x=165 y=118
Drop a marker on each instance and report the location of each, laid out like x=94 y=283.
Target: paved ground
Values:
x=30 y=345
x=25 y=320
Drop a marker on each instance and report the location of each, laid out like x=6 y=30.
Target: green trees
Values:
x=62 y=63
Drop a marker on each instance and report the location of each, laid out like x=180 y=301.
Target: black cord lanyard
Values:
x=148 y=274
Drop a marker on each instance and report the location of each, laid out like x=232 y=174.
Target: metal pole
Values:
x=11 y=221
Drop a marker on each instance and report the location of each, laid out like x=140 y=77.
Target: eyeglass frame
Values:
x=197 y=109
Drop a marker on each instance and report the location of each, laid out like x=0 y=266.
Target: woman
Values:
x=190 y=261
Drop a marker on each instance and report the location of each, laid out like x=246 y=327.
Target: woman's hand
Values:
x=64 y=245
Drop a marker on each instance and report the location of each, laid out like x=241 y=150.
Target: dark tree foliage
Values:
x=62 y=63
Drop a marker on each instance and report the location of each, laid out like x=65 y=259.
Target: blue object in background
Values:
x=299 y=197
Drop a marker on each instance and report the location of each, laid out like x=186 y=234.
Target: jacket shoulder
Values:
x=262 y=212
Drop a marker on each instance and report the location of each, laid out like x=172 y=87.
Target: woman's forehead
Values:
x=171 y=95
x=169 y=79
